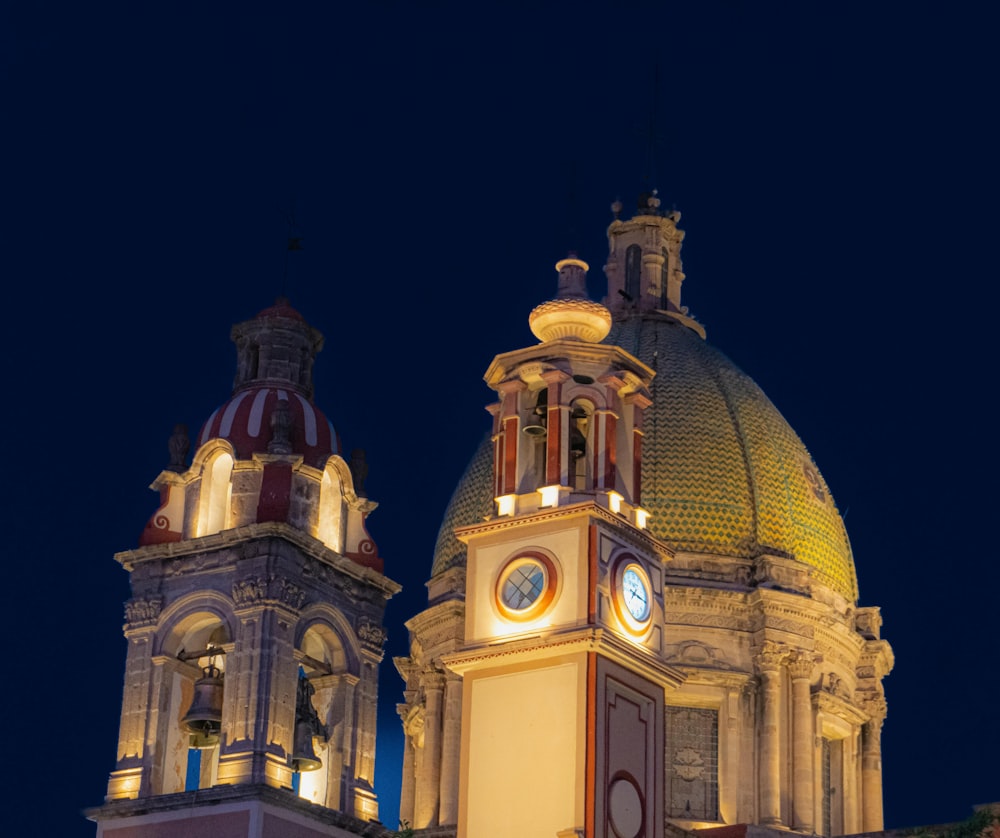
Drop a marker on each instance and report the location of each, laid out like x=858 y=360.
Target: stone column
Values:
x=871 y=767
x=406 y=790
x=769 y=660
x=429 y=780
x=800 y=668
x=451 y=744
x=747 y=803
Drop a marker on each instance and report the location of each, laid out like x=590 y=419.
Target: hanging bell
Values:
x=303 y=756
x=203 y=719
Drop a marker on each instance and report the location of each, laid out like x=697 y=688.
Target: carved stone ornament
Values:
x=254 y=590
x=413 y=725
x=371 y=634
x=835 y=685
x=868 y=622
x=142 y=611
x=688 y=764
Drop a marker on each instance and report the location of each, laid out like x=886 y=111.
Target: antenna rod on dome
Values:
x=652 y=136
x=294 y=243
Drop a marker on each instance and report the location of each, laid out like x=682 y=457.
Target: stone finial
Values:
x=179 y=445
x=359 y=471
x=281 y=429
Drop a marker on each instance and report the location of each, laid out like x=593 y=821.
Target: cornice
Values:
x=639 y=538
x=574 y=641
x=256 y=533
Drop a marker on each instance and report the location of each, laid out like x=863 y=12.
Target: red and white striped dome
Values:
x=245 y=420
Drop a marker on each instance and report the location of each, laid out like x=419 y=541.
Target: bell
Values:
x=203 y=719
x=303 y=756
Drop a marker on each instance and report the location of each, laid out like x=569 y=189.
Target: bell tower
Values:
x=254 y=627
x=563 y=680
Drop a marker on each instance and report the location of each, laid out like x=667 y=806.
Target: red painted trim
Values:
x=610 y=450
x=592 y=537
x=590 y=795
x=275 y=493
x=509 y=455
x=637 y=468
x=553 y=447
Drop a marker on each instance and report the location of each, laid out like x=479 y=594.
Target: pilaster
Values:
x=769 y=660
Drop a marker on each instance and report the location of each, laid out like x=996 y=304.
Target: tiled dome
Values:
x=723 y=472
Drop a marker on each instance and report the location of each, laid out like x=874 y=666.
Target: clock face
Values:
x=635 y=593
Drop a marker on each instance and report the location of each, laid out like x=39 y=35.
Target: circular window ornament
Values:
x=633 y=596
x=525 y=586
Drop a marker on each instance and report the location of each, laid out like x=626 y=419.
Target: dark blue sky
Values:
x=835 y=168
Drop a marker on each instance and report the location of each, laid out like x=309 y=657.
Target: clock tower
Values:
x=561 y=650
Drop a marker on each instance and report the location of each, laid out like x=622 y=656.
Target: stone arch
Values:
x=215 y=461
x=331 y=520
x=197 y=623
x=330 y=660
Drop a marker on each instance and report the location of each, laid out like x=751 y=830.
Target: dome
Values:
x=723 y=472
x=246 y=421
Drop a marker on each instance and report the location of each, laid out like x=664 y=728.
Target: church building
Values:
x=642 y=617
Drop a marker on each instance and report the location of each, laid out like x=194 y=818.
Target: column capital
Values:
x=770 y=656
x=801 y=663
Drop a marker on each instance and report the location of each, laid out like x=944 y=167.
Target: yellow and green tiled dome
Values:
x=723 y=472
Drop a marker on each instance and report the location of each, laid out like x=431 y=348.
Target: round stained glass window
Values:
x=525 y=586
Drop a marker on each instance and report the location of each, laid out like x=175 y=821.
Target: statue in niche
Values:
x=281 y=429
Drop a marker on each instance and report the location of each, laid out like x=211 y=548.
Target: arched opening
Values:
x=216 y=494
x=664 y=280
x=195 y=680
x=581 y=444
x=330 y=518
x=633 y=272
x=330 y=690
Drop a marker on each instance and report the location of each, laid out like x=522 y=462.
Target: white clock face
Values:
x=635 y=594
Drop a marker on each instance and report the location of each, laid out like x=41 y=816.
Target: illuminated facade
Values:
x=643 y=604
x=255 y=624
x=642 y=612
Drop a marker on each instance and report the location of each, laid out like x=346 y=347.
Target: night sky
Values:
x=835 y=168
